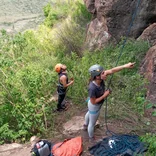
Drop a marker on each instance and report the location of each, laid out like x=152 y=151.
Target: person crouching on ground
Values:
x=98 y=93
x=63 y=84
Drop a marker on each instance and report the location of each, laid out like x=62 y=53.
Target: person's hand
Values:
x=129 y=65
x=71 y=79
x=110 y=91
x=107 y=92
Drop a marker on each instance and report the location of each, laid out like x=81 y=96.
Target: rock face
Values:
x=19 y=15
x=113 y=18
x=148 y=67
x=149 y=34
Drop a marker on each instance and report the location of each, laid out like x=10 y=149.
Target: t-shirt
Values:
x=96 y=91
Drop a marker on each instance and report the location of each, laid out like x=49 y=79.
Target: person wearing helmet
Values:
x=98 y=93
x=63 y=84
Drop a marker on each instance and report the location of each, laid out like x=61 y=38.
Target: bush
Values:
x=27 y=82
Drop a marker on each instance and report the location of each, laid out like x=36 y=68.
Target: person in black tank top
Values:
x=63 y=84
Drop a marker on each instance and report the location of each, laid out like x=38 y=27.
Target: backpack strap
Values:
x=63 y=142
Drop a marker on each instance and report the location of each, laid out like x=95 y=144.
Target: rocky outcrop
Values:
x=149 y=34
x=111 y=19
x=97 y=35
x=148 y=69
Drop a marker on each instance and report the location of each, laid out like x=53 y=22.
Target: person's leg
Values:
x=63 y=104
x=94 y=111
x=92 y=121
x=87 y=118
x=85 y=126
x=60 y=99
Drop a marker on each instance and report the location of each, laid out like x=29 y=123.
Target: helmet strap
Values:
x=98 y=77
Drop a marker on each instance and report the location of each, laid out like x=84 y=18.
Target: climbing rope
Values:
x=125 y=145
x=119 y=144
x=120 y=54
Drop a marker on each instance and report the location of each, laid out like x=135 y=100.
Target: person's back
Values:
x=62 y=85
x=61 y=89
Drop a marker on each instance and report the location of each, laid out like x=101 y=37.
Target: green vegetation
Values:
x=150 y=140
x=27 y=77
x=28 y=80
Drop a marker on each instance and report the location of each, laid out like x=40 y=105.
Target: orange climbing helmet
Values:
x=58 y=67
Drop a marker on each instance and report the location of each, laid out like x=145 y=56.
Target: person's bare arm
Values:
x=63 y=80
x=119 y=68
x=96 y=100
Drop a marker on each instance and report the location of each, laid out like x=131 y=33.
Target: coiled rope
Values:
x=127 y=145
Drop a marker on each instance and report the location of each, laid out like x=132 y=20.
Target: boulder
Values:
x=149 y=34
x=148 y=70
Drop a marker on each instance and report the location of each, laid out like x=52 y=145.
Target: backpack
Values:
x=41 y=148
x=69 y=147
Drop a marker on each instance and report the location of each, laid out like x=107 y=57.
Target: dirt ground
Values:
x=75 y=116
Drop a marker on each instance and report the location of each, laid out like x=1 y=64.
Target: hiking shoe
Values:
x=92 y=141
x=58 y=110
x=85 y=127
x=64 y=108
